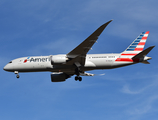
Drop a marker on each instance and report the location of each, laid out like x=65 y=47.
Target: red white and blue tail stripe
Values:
x=136 y=46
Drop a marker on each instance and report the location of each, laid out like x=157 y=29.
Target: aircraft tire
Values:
x=80 y=78
x=17 y=76
x=76 y=78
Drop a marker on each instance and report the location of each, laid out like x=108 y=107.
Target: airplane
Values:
x=77 y=61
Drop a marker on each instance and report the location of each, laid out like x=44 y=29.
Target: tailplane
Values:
x=142 y=56
x=143 y=53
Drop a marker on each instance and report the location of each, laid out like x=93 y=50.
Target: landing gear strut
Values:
x=17 y=74
x=78 y=71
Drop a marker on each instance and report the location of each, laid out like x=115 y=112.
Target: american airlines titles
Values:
x=39 y=59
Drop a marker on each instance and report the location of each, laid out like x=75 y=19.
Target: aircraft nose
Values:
x=7 y=67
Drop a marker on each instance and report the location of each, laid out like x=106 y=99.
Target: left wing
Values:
x=78 y=54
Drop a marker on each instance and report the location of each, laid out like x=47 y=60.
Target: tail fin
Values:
x=136 y=46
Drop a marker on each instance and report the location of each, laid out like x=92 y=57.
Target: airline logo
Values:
x=136 y=47
x=39 y=59
x=26 y=60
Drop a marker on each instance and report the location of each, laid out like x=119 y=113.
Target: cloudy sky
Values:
x=46 y=27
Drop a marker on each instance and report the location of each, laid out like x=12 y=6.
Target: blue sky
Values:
x=46 y=27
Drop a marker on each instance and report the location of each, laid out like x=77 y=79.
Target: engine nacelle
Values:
x=57 y=59
x=59 y=77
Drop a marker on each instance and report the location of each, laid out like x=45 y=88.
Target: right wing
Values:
x=78 y=54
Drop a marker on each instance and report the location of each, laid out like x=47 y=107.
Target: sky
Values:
x=46 y=27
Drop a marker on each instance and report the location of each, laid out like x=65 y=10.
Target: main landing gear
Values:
x=17 y=74
x=78 y=70
x=78 y=78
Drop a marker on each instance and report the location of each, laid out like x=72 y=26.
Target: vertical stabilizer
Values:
x=136 y=46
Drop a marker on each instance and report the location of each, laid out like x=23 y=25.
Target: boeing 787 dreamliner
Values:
x=77 y=61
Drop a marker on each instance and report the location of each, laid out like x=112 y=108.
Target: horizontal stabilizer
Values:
x=145 y=62
x=143 y=53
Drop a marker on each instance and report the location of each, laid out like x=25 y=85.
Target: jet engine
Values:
x=57 y=59
x=59 y=77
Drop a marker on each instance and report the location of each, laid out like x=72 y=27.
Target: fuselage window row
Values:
x=104 y=57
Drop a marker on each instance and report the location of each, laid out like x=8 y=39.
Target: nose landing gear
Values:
x=17 y=74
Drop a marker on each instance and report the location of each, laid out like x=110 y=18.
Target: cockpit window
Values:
x=10 y=62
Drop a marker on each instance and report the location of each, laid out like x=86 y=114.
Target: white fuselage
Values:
x=43 y=63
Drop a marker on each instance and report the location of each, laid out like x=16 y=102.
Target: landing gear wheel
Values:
x=17 y=76
x=76 y=78
x=79 y=78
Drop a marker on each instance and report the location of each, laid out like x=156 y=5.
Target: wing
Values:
x=78 y=54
